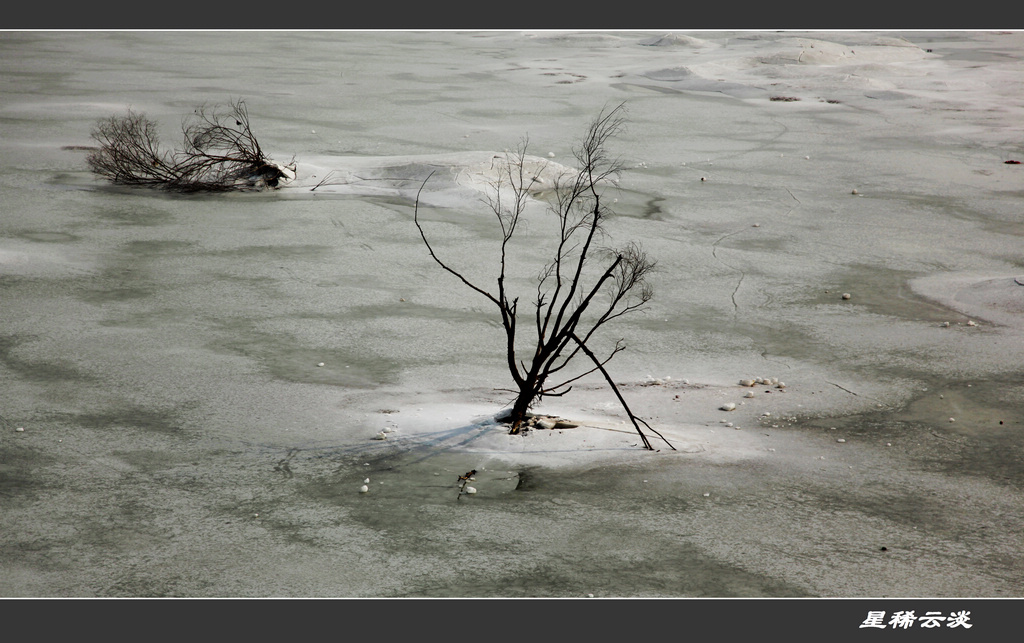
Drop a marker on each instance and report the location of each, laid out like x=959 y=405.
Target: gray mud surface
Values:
x=190 y=386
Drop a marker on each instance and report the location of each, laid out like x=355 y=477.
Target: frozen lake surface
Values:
x=190 y=385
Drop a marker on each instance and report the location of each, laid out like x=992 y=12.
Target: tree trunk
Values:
x=520 y=409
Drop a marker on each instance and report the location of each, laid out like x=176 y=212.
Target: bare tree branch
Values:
x=636 y=420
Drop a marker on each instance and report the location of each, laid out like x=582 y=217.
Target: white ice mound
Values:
x=811 y=51
x=676 y=40
x=443 y=177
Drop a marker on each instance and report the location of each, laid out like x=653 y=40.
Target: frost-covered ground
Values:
x=200 y=378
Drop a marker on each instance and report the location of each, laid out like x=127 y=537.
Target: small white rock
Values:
x=20 y=429
x=470 y=489
x=381 y=436
x=781 y=385
x=840 y=440
x=952 y=419
x=855 y=191
x=746 y=382
x=748 y=394
x=728 y=406
x=707 y=495
x=846 y=295
x=320 y=364
x=364 y=489
x=970 y=322
x=367 y=481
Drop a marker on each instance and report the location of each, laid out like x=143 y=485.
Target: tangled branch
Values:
x=220 y=153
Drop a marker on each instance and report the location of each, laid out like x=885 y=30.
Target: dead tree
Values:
x=220 y=153
x=580 y=289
